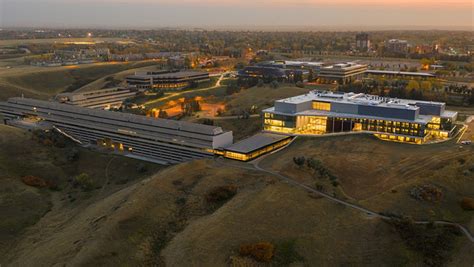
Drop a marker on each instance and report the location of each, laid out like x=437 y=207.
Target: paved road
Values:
x=218 y=84
x=255 y=166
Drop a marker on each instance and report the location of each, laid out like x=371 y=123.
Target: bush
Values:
x=300 y=84
x=260 y=83
x=433 y=242
x=84 y=181
x=286 y=254
x=426 y=192
x=274 y=84
x=262 y=251
x=72 y=155
x=299 y=161
x=467 y=203
x=34 y=181
x=141 y=168
x=220 y=194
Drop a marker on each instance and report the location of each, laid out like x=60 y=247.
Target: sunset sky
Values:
x=238 y=13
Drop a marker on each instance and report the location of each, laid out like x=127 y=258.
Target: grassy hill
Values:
x=23 y=206
x=166 y=217
x=43 y=83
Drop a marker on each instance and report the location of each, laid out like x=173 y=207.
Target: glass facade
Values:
x=318 y=125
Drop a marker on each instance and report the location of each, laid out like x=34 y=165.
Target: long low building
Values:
x=292 y=71
x=318 y=113
x=167 y=80
x=103 y=99
x=157 y=140
x=395 y=74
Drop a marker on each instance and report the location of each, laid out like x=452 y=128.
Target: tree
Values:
x=274 y=84
x=426 y=86
x=412 y=84
x=300 y=84
x=162 y=114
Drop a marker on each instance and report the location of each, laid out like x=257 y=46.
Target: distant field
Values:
x=57 y=40
x=43 y=83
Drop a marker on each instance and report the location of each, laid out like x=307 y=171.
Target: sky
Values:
x=276 y=14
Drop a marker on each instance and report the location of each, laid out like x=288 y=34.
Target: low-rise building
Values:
x=102 y=99
x=157 y=140
x=166 y=79
x=293 y=71
x=403 y=120
x=342 y=73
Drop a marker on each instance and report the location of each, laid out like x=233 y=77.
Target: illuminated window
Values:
x=322 y=106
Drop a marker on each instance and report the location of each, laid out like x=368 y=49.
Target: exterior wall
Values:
x=344 y=108
x=386 y=112
x=431 y=109
x=125 y=133
x=223 y=140
x=292 y=107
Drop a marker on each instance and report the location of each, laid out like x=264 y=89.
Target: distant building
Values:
x=270 y=73
x=166 y=79
x=342 y=73
x=398 y=74
x=363 y=42
x=402 y=120
x=292 y=71
x=102 y=99
x=396 y=46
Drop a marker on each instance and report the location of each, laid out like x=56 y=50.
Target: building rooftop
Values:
x=172 y=75
x=256 y=142
x=119 y=116
x=406 y=73
x=361 y=99
x=344 y=66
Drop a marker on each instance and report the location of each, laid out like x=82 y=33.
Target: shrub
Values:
x=300 y=84
x=221 y=194
x=274 y=84
x=467 y=203
x=141 y=168
x=84 y=181
x=299 y=161
x=286 y=254
x=72 y=155
x=34 y=181
x=433 y=242
x=262 y=251
x=426 y=192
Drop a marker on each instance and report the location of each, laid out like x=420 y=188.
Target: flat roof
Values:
x=119 y=116
x=391 y=72
x=180 y=74
x=256 y=142
x=357 y=99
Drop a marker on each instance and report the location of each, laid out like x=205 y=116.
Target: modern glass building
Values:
x=318 y=113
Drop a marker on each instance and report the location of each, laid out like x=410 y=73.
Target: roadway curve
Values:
x=255 y=166
x=218 y=84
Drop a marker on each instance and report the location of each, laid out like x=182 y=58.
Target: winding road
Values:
x=217 y=85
